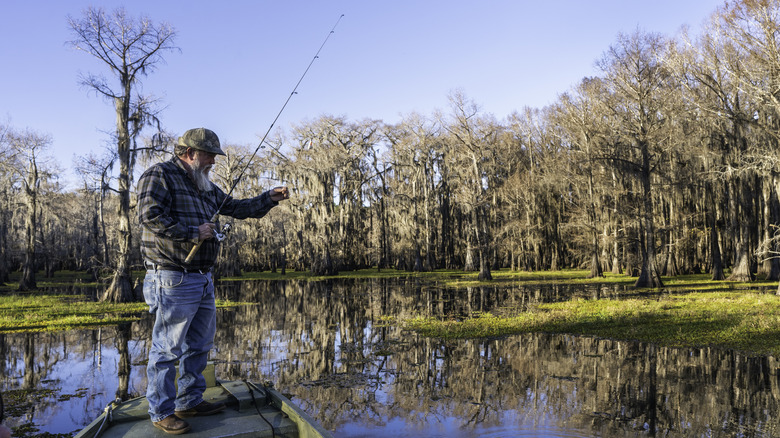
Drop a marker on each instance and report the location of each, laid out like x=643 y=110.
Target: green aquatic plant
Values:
x=38 y=313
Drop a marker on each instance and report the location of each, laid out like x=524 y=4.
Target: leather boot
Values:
x=172 y=425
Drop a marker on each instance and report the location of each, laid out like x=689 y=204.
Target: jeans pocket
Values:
x=150 y=291
x=170 y=279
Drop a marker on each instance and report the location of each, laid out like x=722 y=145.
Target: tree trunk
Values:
x=103 y=234
x=469 y=264
x=617 y=266
x=595 y=264
x=418 y=264
x=595 y=267
x=4 y=271
x=484 y=269
x=121 y=289
x=27 y=282
x=649 y=275
x=384 y=250
x=480 y=221
x=325 y=265
x=770 y=268
x=741 y=219
x=715 y=253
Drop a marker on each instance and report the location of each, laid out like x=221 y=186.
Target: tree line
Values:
x=664 y=163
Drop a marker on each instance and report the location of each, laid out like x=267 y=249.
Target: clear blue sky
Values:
x=239 y=60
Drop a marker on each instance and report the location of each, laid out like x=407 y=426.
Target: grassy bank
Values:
x=51 y=309
x=31 y=312
x=36 y=313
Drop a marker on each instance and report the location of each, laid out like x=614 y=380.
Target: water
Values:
x=328 y=345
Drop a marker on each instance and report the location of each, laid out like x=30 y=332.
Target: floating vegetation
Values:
x=17 y=402
x=34 y=313
x=748 y=321
x=345 y=380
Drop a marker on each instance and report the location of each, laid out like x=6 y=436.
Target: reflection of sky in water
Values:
x=452 y=427
x=92 y=374
x=361 y=378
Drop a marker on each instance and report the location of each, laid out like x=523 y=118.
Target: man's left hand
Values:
x=279 y=193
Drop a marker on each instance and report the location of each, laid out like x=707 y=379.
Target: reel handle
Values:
x=193 y=251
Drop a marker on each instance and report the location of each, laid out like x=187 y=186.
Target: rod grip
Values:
x=193 y=251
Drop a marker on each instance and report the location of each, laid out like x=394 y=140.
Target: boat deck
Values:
x=235 y=421
x=251 y=411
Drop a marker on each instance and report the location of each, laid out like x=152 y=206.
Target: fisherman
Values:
x=176 y=204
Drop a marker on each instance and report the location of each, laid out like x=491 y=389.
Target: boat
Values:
x=253 y=410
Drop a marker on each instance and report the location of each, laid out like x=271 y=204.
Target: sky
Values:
x=240 y=60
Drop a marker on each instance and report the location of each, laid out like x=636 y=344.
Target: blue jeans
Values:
x=184 y=328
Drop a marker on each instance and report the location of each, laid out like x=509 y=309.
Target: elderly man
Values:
x=176 y=203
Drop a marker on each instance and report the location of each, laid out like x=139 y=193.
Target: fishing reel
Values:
x=220 y=236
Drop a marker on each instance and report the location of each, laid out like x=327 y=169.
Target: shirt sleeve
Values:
x=256 y=207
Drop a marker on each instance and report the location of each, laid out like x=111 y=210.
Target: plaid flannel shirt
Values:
x=170 y=209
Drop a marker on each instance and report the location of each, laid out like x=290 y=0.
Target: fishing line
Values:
x=262 y=140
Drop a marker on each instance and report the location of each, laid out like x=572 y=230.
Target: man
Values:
x=176 y=202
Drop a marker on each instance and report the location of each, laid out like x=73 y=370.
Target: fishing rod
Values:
x=262 y=140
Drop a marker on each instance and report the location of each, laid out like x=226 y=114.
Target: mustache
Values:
x=201 y=167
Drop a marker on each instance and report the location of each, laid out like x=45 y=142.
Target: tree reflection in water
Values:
x=326 y=344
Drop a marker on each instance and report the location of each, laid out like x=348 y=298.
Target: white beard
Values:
x=200 y=174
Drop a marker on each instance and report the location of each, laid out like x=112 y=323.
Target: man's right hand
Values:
x=207 y=231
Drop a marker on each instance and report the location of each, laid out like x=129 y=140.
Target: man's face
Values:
x=203 y=161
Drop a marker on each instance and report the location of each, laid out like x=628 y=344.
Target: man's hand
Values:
x=207 y=231
x=279 y=193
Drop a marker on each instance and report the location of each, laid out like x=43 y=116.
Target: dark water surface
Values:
x=329 y=346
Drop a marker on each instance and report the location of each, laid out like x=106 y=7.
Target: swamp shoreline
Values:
x=690 y=311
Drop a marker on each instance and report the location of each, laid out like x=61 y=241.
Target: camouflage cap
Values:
x=201 y=139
